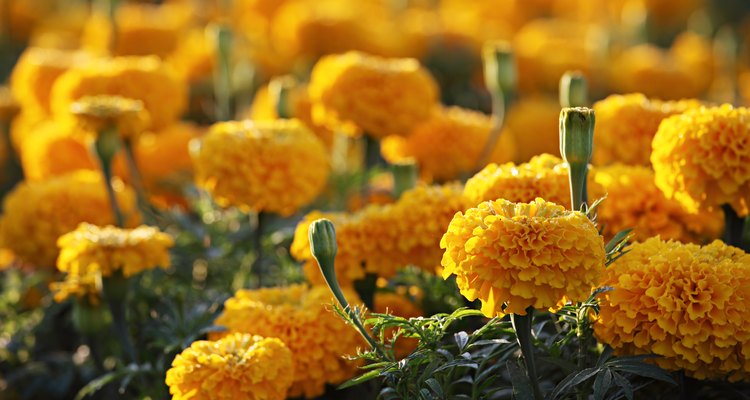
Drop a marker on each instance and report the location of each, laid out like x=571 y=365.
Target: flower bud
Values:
x=322 y=235
x=499 y=68
x=577 y=134
x=573 y=90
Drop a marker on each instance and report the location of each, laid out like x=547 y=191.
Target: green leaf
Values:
x=522 y=389
x=360 y=379
x=617 y=240
x=435 y=386
x=624 y=384
x=98 y=383
x=602 y=384
x=645 y=370
x=567 y=384
x=461 y=338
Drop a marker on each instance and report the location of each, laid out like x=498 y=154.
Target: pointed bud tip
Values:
x=577 y=134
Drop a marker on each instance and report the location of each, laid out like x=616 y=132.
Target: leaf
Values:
x=617 y=240
x=98 y=383
x=435 y=386
x=602 y=384
x=571 y=381
x=461 y=338
x=623 y=383
x=360 y=379
x=605 y=356
x=522 y=389
x=646 y=370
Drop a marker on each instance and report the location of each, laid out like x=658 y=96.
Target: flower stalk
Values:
x=576 y=147
x=522 y=327
x=281 y=89
x=105 y=146
x=404 y=177
x=223 y=74
x=500 y=78
x=574 y=90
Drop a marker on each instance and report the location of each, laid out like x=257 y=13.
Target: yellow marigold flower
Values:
x=398 y=305
x=194 y=57
x=383 y=239
x=36 y=72
x=96 y=113
x=238 y=366
x=626 y=125
x=513 y=256
x=22 y=127
x=54 y=148
x=533 y=124
x=36 y=214
x=147 y=79
x=110 y=249
x=357 y=92
x=448 y=144
x=301 y=317
x=634 y=201
x=274 y=166
x=700 y=158
x=142 y=29
x=264 y=109
x=684 y=71
x=683 y=302
x=85 y=283
x=543 y=176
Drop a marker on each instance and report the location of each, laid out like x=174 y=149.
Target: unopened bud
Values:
x=499 y=68
x=323 y=246
x=574 y=90
x=577 y=134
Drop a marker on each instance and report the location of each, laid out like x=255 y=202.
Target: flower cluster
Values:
x=301 y=318
x=543 y=176
x=356 y=92
x=382 y=239
x=682 y=302
x=634 y=201
x=237 y=366
x=466 y=131
x=700 y=158
x=266 y=166
x=532 y=124
x=513 y=256
x=36 y=214
x=626 y=125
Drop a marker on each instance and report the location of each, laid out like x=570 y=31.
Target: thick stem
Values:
x=733 y=227
x=115 y=292
x=372 y=153
x=577 y=178
x=583 y=342
x=522 y=327
x=258 y=267
x=116 y=211
x=136 y=179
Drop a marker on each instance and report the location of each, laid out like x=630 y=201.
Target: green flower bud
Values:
x=577 y=134
x=574 y=90
x=499 y=68
x=280 y=89
x=322 y=235
x=404 y=176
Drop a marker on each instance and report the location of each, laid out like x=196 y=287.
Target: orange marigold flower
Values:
x=93 y=114
x=626 y=125
x=544 y=176
x=357 y=92
x=147 y=79
x=238 y=366
x=301 y=317
x=533 y=124
x=274 y=166
x=682 y=302
x=513 y=256
x=634 y=201
x=36 y=214
x=54 y=148
x=382 y=239
x=448 y=144
x=701 y=158
x=194 y=57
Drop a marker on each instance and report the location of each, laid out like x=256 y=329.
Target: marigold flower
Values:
x=447 y=144
x=634 y=201
x=682 y=302
x=147 y=79
x=35 y=73
x=513 y=256
x=36 y=214
x=684 y=71
x=54 y=148
x=544 y=175
x=273 y=166
x=238 y=366
x=700 y=158
x=357 y=92
x=96 y=113
x=301 y=318
x=382 y=239
x=194 y=58
x=626 y=125
x=533 y=124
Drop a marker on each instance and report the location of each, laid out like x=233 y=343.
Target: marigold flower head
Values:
x=513 y=256
x=36 y=72
x=381 y=239
x=274 y=166
x=357 y=92
x=533 y=124
x=36 y=214
x=54 y=148
x=301 y=317
x=448 y=144
x=626 y=125
x=682 y=302
x=543 y=176
x=147 y=79
x=96 y=113
x=237 y=366
x=195 y=56
x=701 y=157
x=684 y=71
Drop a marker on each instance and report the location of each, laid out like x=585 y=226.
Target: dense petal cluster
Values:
x=513 y=256
x=237 y=366
x=543 y=176
x=682 y=302
x=53 y=148
x=381 y=239
x=626 y=125
x=299 y=316
x=701 y=158
x=36 y=214
x=447 y=144
x=271 y=166
x=109 y=249
x=356 y=92
x=147 y=79
x=634 y=201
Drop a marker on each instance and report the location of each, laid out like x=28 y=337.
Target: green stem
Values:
x=365 y=288
x=733 y=227
x=500 y=103
x=136 y=178
x=115 y=292
x=258 y=268
x=222 y=76
x=577 y=178
x=116 y=211
x=583 y=340
x=341 y=299
x=522 y=327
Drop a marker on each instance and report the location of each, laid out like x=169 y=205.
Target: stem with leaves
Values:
x=522 y=326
